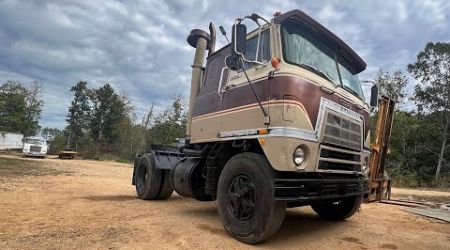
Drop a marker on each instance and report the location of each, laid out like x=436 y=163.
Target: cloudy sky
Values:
x=140 y=46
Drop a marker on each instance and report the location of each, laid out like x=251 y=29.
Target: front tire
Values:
x=246 y=201
x=338 y=210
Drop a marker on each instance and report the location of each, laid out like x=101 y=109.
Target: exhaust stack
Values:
x=212 y=42
x=200 y=40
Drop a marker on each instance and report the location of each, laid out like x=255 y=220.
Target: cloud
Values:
x=140 y=46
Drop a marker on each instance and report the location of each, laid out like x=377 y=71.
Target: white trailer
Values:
x=10 y=141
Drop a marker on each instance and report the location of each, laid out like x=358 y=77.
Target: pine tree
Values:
x=79 y=110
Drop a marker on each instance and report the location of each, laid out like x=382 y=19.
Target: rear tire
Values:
x=338 y=210
x=148 y=178
x=166 y=186
x=245 y=196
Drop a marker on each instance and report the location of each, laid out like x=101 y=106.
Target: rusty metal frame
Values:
x=377 y=181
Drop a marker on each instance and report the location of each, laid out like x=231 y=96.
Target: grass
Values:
x=19 y=168
x=111 y=157
x=414 y=182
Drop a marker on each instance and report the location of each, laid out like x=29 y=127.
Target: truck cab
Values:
x=276 y=119
x=35 y=146
x=313 y=98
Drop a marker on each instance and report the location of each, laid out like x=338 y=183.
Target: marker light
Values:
x=275 y=62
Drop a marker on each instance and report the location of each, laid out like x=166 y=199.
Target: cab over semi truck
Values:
x=276 y=119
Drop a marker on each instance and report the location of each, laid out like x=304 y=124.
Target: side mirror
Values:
x=374 y=96
x=238 y=39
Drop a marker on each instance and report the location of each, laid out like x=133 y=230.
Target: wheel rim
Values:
x=241 y=197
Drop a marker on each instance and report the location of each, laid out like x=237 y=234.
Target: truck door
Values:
x=239 y=106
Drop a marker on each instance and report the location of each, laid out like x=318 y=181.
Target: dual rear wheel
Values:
x=152 y=183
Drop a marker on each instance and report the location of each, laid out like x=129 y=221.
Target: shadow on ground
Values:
x=301 y=224
x=203 y=212
x=297 y=224
x=127 y=198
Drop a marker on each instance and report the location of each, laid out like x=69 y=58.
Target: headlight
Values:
x=299 y=156
x=365 y=167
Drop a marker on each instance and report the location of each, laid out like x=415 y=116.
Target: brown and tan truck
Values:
x=277 y=119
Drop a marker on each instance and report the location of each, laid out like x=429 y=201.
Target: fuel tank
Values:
x=187 y=179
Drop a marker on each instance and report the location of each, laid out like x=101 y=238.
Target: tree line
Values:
x=20 y=107
x=419 y=146
x=102 y=124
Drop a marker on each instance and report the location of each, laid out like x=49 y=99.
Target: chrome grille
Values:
x=335 y=159
x=35 y=149
x=341 y=132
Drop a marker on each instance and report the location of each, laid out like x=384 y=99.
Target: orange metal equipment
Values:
x=378 y=182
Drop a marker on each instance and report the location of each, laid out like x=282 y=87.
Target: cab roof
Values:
x=327 y=36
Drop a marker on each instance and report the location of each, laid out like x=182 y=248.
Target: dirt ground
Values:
x=61 y=204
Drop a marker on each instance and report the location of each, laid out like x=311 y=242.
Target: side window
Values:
x=263 y=52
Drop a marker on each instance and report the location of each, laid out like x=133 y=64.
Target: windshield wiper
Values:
x=317 y=71
x=351 y=91
x=328 y=77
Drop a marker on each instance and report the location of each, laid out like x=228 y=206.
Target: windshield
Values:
x=302 y=48
x=34 y=141
x=350 y=81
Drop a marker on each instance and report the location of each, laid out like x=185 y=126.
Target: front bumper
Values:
x=34 y=154
x=306 y=190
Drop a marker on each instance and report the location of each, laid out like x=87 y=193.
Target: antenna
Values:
x=222 y=30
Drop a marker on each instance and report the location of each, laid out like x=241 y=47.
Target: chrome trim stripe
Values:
x=241 y=137
x=273 y=132
x=238 y=133
x=340 y=150
x=337 y=171
x=339 y=161
x=294 y=133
